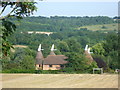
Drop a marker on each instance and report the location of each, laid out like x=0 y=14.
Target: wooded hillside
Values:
x=68 y=40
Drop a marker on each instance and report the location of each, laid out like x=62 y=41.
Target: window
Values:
x=61 y=66
x=50 y=65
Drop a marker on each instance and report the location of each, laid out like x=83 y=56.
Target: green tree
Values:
x=63 y=47
x=22 y=58
x=111 y=50
x=18 y=10
x=78 y=63
x=98 y=49
x=74 y=46
x=28 y=62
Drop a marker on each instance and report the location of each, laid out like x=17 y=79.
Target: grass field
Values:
x=20 y=46
x=59 y=81
x=107 y=27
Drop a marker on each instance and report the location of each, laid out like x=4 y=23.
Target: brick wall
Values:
x=53 y=67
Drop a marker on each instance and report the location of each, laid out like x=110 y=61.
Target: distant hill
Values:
x=63 y=24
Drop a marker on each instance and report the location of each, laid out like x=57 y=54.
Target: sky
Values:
x=69 y=8
x=77 y=9
x=78 y=0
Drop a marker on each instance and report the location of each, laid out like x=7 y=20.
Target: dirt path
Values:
x=59 y=81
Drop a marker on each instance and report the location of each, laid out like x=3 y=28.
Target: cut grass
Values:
x=60 y=80
x=18 y=46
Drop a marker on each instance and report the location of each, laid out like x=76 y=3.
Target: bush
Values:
x=103 y=27
x=108 y=70
x=18 y=71
x=46 y=71
x=67 y=70
x=85 y=29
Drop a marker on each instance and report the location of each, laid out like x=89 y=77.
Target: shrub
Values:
x=18 y=71
x=103 y=27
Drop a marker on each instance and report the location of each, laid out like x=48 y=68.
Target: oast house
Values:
x=51 y=62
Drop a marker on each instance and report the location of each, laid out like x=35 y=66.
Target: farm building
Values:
x=57 y=62
x=51 y=62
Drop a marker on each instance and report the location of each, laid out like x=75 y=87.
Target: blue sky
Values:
x=77 y=9
x=73 y=8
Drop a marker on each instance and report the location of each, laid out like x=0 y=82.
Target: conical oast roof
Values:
x=52 y=53
x=39 y=57
x=88 y=55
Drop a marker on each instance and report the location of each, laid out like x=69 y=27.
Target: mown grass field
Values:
x=59 y=81
x=18 y=46
x=106 y=27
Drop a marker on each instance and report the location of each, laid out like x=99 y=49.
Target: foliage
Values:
x=18 y=10
x=68 y=41
x=98 y=49
x=103 y=27
x=20 y=59
x=109 y=50
x=78 y=64
x=65 y=24
x=19 y=71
